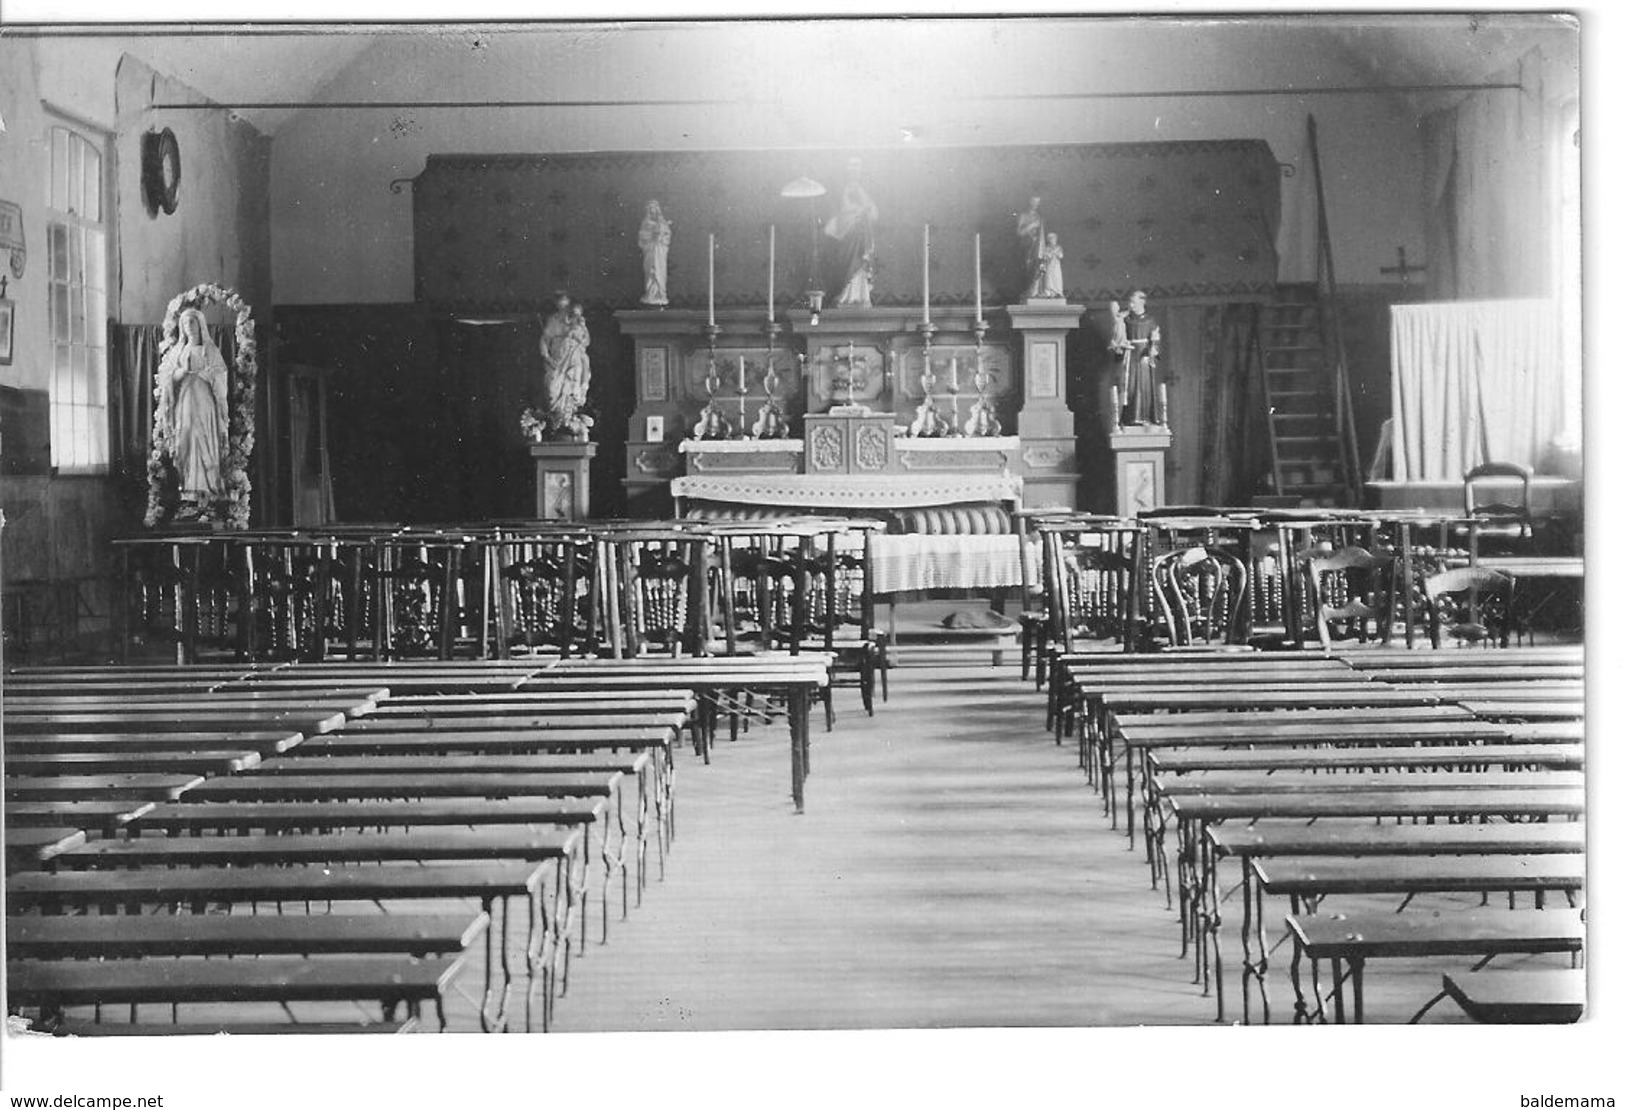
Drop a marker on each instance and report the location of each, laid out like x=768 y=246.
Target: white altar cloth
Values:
x=848 y=491
x=948 y=562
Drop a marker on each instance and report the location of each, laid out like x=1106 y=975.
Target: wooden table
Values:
x=1247 y=842
x=493 y=884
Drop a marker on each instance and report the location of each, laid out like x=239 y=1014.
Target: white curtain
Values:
x=1476 y=381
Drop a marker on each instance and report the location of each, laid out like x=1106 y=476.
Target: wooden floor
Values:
x=952 y=868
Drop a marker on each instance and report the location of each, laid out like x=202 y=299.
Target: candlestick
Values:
x=978 y=264
x=1117 y=409
x=1162 y=398
x=925 y=277
x=741 y=373
x=953 y=374
x=772 y=249
x=711 y=279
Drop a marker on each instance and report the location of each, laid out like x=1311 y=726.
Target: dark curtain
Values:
x=1232 y=435
x=132 y=368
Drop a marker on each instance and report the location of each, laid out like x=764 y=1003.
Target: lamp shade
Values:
x=802 y=187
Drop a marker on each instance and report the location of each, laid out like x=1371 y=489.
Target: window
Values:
x=76 y=246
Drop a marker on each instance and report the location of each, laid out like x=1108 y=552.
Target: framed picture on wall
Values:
x=7 y=330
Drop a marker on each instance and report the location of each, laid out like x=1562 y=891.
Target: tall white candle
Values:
x=711 y=279
x=978 y=264
x=953 y=374
x=772 y=247
x=925 y=276
x=741 y=373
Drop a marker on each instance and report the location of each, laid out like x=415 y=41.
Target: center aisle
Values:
x=953 y=870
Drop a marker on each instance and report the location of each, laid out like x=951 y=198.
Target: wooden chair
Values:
x=1201 y=593
x=547 y=599
x=1469 y=604
x=661 y=590
x=1508 y=526
x=1351 y=587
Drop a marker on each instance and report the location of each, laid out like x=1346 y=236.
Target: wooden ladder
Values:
x=1305 y=448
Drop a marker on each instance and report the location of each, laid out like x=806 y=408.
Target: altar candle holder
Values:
x=1162 y=404
x=1117 y=410
x=982 y=421
x=770 y=421
x=743 y=391
x=712 y=424
x=928 y=423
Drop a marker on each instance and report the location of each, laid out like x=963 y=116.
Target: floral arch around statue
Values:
x=166 y=499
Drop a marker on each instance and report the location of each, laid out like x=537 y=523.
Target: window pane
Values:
x=59 y=169
x=76 y=174
x=95 y=318
x=98 y=437
x=61 y=362
x=58 y=235
x=76 y=378
x=96 y=376
x=76 y=453
x=76 y=255
x=95 y=258
x=76 y=316
x=93 y=183
x=59 y=313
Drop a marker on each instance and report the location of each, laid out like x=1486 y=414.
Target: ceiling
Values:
x=283 y=67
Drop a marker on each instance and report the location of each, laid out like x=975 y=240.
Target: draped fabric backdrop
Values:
x=133 y=351
x=1477 y=382
x=1488 y=207
x=1181 y=219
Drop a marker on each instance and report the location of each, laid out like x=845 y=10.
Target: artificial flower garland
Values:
x=240 y=431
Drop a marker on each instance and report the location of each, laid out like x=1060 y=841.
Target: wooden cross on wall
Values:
x=1404 y=269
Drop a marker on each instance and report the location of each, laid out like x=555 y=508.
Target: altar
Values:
x=823 y=412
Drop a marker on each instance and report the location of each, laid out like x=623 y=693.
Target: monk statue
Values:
x=851 y=250
x=654 y=240
x=1137 y=342
x=194 y=377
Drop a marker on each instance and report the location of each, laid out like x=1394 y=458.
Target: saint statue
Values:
x=852 y=253
x=194 y=374
x=654 y=240
x=1137 y=341
x=1046 y=280
x=566 y=371
x=1030 y=230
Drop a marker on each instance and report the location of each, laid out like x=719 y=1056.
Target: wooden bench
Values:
x=1354 y=939
x=1277 y=838
x=392 y=982
x=543 y=885
x=1194 y=814
x=103 y=816
x=265 y=743
x=1525 y=997
x=32 y=845
x=100 y=788
x=128 y=762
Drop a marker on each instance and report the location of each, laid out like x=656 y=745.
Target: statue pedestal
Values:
x=561 y=479
x=1141 y=452
x=1048 y=439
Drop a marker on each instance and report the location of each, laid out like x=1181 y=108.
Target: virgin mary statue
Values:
x=194 y=374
